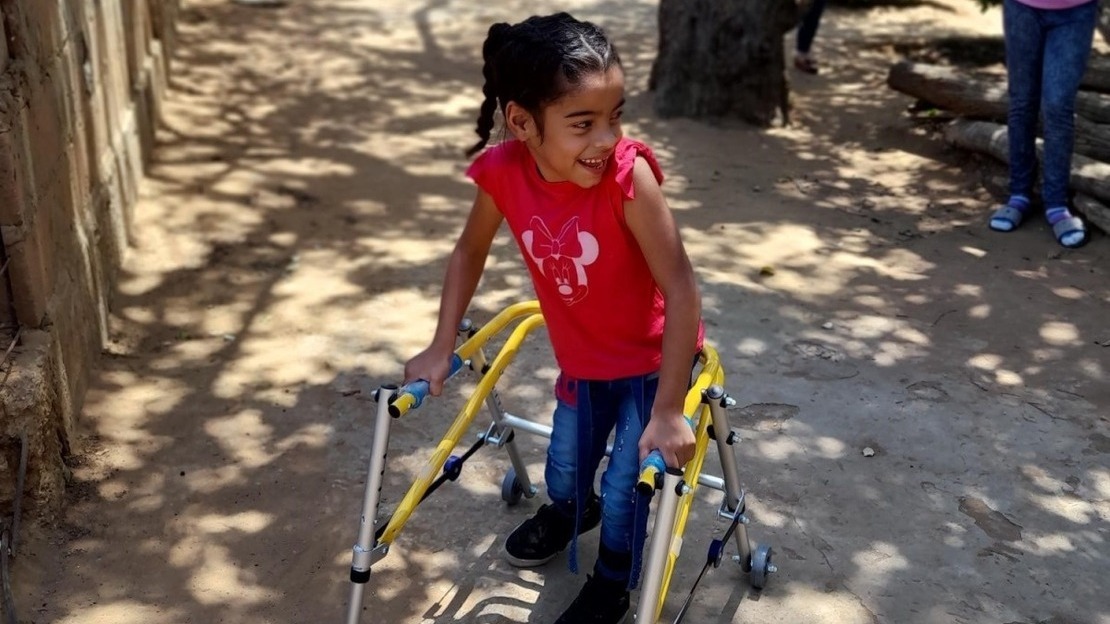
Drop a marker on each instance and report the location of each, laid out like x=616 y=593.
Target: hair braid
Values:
x=495 y=41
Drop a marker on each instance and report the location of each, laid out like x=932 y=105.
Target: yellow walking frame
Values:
x=673 y=488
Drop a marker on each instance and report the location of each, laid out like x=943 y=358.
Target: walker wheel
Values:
x=511 y=489
x=762 y=567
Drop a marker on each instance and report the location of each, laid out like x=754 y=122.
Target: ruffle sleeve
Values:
x=626 y=154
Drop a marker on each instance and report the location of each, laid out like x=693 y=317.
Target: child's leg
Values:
x=604 y=599
x=1024 y=58
x=540 y=538
x=1067 y=46
x=618 y=484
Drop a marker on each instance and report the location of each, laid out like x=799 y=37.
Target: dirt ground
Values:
x=290 y=243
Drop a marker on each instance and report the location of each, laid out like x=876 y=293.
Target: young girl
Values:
x=612 y=277
x=1048 y=43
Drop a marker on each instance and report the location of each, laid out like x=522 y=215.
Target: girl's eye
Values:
x=582 y=125
x=617 y=115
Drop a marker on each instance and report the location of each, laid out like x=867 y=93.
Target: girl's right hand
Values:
x=433 y=365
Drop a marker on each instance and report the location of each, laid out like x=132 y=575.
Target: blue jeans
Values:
x=1046 y=55
x=586 y=413
x=807 y=30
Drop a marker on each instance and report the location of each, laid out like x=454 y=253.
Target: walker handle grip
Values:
x=411 y=395
x=652 y=466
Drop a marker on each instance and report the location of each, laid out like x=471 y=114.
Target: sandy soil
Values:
x=290 y=244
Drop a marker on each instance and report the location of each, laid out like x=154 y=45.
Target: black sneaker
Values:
x=538 y=539
x=601 y=601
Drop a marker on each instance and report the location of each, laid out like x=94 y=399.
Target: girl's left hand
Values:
x=671 y=435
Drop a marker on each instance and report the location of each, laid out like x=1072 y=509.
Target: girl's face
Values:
x=580 y=130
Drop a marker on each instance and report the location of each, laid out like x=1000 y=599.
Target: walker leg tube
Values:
x=660 y=545
x=497 y=412
x=361 y=553
x=734 y=492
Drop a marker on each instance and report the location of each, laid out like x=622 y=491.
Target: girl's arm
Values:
x=652 y=224
x=464 y=270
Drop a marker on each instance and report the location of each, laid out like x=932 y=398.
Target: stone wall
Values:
x=80 y=83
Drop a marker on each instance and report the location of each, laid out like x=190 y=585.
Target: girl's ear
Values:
x=520 y=122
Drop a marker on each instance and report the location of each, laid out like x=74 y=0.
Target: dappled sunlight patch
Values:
x=750 y=347
x=1060 y=333
x=980 y=312
x=781 y=448
x=889 y=353
x=806 y=602
x=319 y=167
x=312 y=435
x=243 y=436
x=387 y=246
x=1098 y=481
x=974 y=291
x=121 y=612
x=212 y=480
x=879 y=562
x=218 y=579
x=955 y=535
x=243 y=522
x=1068 y=292
x=1071 y=509
x=975 y=252
x=829 y=447
x=1044 y=354
x=1054 y=543
x=150 y=495
x=1095 y=369
x=992 y=363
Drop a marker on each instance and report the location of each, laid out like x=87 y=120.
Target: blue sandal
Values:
x=1070 y=232
x=1008 y=217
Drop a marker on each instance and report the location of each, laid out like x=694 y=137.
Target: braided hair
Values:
x=536 y=62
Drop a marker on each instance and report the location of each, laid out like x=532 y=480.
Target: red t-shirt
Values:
x=603 y=309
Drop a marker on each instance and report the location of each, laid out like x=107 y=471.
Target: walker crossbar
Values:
x=705 y=408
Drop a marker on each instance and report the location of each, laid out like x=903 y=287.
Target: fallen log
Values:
x=1096 y=212
x=976 y=97
x=1097 y=77
x=1092 y=139
x=948 y=89
x=1104 y=20
x=1088 y=176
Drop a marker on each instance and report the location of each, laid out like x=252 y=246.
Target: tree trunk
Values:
x=1087 y=176
x=978 y=98
x=723 y=58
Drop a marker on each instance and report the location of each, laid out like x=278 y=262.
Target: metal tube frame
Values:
x=362 y=552
x=734 y=491
x=660 y=546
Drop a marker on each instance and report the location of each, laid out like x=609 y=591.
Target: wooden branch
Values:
x=976 y=97
x=1088 y=176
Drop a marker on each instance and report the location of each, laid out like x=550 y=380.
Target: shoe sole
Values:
x=528 y=563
